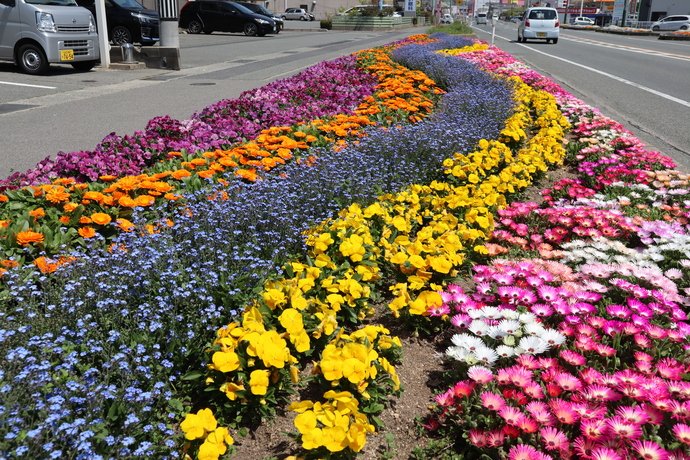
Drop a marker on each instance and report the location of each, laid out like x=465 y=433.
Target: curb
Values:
x=678 y=37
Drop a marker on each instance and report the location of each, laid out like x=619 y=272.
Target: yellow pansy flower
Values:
x=258 y=381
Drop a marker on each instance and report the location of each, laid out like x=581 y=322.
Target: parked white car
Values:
x=539 y=23
x=583 y=21
x=677 y=22
x=447 y=19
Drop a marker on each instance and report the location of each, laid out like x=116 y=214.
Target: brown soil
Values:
x=420 y=374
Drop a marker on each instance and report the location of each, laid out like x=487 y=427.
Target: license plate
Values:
x=541 y=34
x=67 y=55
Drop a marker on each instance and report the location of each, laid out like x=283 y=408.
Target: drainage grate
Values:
x=202 y=84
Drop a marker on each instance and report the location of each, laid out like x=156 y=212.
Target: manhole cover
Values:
x=202 y=84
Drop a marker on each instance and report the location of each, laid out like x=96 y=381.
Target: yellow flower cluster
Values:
x=354 y=358
x=263 y=352
x=336 y=424
x=466 y=49
x=203 y=425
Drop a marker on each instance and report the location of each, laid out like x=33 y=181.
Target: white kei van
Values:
x=481 y=18
x=36 y=33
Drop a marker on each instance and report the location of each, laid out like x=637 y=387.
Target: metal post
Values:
x=103 y=41
x=168 y=23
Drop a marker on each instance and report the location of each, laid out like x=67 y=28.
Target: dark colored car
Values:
x=209 y=16
x=259 y=9
x=128 y=21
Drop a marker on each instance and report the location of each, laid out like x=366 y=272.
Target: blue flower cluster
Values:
x=95 y=354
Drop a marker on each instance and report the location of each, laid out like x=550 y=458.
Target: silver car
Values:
x=678 y=22
x=297 y=13
x=539 y=23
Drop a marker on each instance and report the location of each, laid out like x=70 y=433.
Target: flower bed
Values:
x=112 y=365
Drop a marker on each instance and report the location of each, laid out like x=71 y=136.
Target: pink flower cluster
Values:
x=599 y=392
x=528 y=227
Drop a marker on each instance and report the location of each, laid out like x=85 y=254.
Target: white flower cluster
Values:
x=513 y=334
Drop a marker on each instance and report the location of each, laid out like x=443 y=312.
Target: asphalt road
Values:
x=639 y=81
x=70 y=111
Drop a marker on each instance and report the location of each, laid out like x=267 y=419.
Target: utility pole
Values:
x=625 y=12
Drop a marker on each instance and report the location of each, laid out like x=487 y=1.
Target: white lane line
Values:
x=630 y=49
x=622 y=80
x=24 y=84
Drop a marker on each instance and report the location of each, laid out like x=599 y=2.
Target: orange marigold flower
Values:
x=38 y=212
x=206 y=174
x=93 y=196
x=125 y=225
x=171 y=196
x=84 y=220
x=64 y=181
x=69 y=207
x=198 y=161
x=145 y=200
x=127 y=183
x=50 y=265
x=28 y=237
x=57 y=194
x=108 y=178
x=100 y=218
x=9 y=263
x=174 y=154
x=3 y=198
x=87 y=232
x=180 y=173
x=127 y=202
x=64 y=219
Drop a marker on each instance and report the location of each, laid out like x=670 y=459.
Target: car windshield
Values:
x=542 y=14
x=128 y=4
x=262 y=10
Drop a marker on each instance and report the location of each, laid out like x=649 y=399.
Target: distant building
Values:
x=652 y=10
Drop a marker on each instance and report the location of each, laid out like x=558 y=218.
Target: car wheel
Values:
x=250 y=29
x=120 y=35
x=655 y=28
x=194 y=27
x=519 y=39
x=302 y=18
x=554 y=41
x=84 y=66
x=284 y=18
x=32 y=59
x=683 y=27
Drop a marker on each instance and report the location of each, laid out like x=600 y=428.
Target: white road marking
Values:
x=24 y=84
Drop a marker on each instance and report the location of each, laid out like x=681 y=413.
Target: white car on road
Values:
x=539 y=23
x=583 y=21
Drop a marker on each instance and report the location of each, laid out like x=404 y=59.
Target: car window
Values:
x=209 y=6
x=129 y=4
x=542 y=14
x=227 y=8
